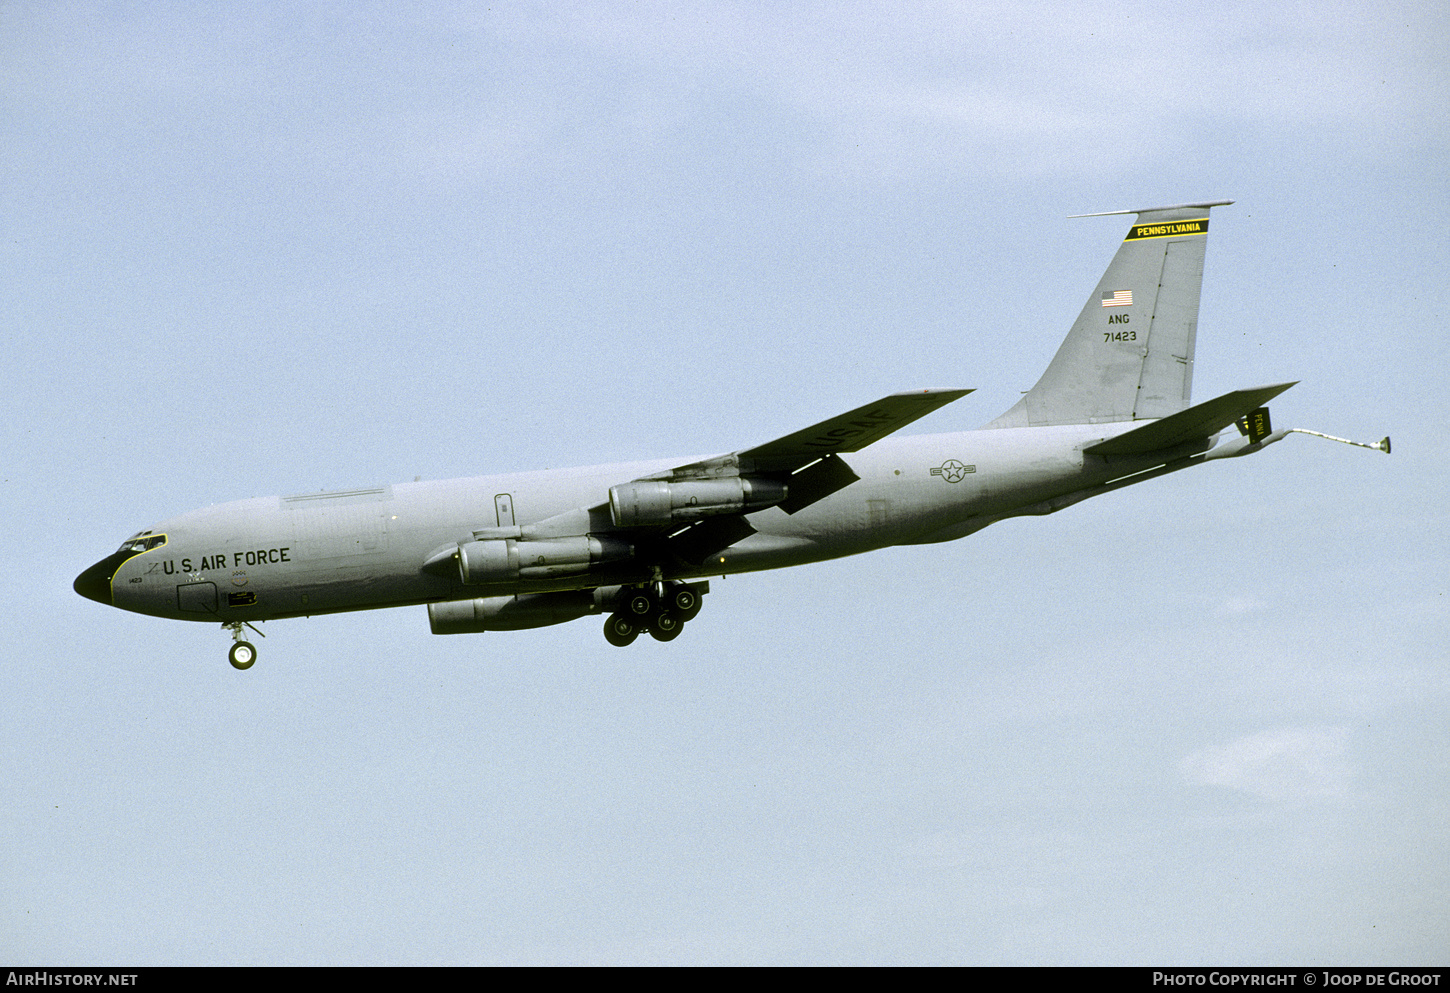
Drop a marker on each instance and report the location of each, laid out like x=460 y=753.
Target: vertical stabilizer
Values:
x=1129 y=356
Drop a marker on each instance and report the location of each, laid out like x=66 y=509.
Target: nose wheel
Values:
x=243 y=653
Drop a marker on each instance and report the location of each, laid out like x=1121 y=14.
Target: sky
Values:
x=276 y=248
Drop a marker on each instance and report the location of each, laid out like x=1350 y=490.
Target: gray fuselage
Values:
x=273 y=557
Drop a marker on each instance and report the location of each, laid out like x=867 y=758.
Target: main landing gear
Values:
x=662 y=609
x=243 y=653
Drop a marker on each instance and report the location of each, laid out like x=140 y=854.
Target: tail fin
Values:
x=1129 y=356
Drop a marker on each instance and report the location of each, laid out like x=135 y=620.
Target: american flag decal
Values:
x=1118 y=298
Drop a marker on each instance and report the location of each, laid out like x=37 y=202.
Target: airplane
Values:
x=636 y=542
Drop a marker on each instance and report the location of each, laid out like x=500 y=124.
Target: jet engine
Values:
x=653 y=502
x=510 y=560
x=511 y=613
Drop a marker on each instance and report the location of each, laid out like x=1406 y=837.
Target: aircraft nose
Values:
x=95 y=582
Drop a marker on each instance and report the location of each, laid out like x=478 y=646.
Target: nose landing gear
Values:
x=662 y=609
x=243 y=654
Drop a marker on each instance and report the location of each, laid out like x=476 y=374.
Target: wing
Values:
x=700 y=508
x=848 y=432
x=685 y=515
x=855 y=429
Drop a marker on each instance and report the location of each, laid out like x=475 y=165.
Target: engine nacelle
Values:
x=653 y=502
x=511 y=560
x=511 y=613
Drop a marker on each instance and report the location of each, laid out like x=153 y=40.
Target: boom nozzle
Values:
x=1383 y=445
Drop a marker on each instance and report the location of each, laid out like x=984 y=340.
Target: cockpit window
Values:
x=143 y=542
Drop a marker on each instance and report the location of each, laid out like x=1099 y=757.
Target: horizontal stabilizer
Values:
x=1197 y=422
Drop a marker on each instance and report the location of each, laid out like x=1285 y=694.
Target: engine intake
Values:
x=654 y=502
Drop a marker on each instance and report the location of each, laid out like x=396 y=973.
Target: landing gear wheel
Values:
x=684 y=601
x=666 y=627
x=620 y=630
x=639 y=604
x=242 y=655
